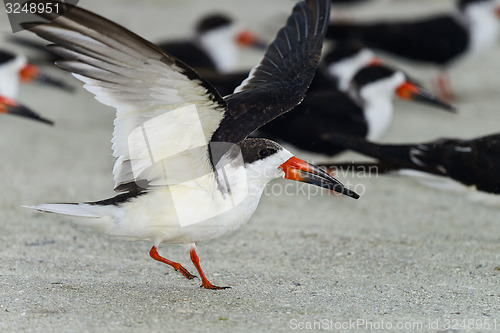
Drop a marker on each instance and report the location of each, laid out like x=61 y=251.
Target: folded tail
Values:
x=81 y=210
x=100 y=218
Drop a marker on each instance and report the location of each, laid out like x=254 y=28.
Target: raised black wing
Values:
x=320 y=113
x=165 y=112
x=281 y=79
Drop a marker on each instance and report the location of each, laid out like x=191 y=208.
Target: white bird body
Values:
x=184 y=213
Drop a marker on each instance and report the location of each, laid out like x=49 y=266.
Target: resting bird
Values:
x=473 y=162
x=215 y=45
x=365 y=111
x=185 y=169
x=14 y=68
x=472 y=28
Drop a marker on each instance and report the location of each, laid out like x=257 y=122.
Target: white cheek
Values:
x=222 y=48
x=379 y=104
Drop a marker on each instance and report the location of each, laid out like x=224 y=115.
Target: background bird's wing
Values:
x=281 y=79
x=421 y=40
x=424 y=157
x=165 y=113
x=321 y=112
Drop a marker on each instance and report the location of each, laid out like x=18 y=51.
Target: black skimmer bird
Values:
x=15 y=68
x=9 y=106
x=366 y=111
x=471 y=29
x=215 y=45
x=472 y=162
x=178 y=144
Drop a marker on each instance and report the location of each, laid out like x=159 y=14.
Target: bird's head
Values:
x=381 y=82
x=265 y=160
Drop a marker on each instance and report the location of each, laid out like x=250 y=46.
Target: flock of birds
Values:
x=188 y=122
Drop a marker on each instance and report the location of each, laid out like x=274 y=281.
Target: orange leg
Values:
x=204 y=281
x=443 y=87
x=154 y=254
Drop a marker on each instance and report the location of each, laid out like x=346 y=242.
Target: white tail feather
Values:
x=101 y=218
x=83 y=210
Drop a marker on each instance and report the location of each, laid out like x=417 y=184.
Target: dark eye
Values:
x=267 y=152
x=264 y=153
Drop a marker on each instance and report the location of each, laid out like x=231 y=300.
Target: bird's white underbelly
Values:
x=155 y=216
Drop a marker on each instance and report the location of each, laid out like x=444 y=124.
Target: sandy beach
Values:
x=404 y=255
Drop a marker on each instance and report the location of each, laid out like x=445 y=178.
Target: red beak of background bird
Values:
x=410 y=91
x=28 y=73
x=31 y=73
x=248 y=38
x=5 y=104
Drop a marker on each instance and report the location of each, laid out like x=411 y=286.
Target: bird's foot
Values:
x=208 y=285
x=443 y=88
x=178 y=267
x=185 y=272
x=204 y=281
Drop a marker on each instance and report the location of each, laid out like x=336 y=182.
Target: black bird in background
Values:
x=474 y=162
x=366 y=110
x=215 y=45
x=471 y=28
x=15 y=69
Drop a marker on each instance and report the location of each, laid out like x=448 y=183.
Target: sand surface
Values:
x=404 y=254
